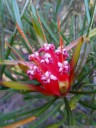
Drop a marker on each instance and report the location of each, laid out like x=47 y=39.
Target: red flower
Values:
x=51 y=69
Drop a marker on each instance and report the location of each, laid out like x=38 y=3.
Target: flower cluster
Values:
x=50 y=67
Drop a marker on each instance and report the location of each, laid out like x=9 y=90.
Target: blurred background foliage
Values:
x=75 y=17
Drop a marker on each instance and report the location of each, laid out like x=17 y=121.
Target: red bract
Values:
x=50 y=67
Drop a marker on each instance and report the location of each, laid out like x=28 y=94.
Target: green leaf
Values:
x=19 y=113
x=92 y=33
x=36 y=112
x=70 y=117
x=14 y=33
x=43 y=118
x=16 y=13
x=92 y=18
x=58 y=6
x=84 y=92
x=48 y=29
x=9 y=9
x=20 y=122
x=1 y=11
x=16 y=85
x=74 y=101
x=9 y=75
x=75 y=59
x=86 y=104
x=6 y=97
x=87 y=10
x=84 y=53
x=54 y=24
x=37 y=26
x=38 y=30
x=13 y=62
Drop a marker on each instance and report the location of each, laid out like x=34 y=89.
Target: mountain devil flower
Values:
x=50 y=67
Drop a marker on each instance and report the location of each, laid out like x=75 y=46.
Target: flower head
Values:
x=50 y=67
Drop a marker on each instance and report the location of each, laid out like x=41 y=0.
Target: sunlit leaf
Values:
x=74 y=101
x=84 y=53
x=16 y=85
x=37 y=26
x=74 y=60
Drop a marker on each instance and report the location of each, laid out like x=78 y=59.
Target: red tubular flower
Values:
x=51 y=69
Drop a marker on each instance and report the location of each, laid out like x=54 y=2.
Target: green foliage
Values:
x=83 y=89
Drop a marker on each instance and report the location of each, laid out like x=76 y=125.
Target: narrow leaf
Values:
x=9 y=8
x=37 y=25
x=16 y=13
x=24 y=37
x=48 y=29
x=74 y=101
x=16 y=85
x=92 y=33
x=73 y=44
x=50 y=113
x=23 y=67
x=86 y=104
x=13 y=62
x=84 y=92
x=70 y=117
x=85 y=50
x=21 y=122
x=74 y=60
x=87 y=10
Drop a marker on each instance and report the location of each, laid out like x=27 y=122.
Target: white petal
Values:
x=53 y=77
x=36 y=54
x=31 y=67
x=35 y=67
x=42 y=61
x=47 y=61
x=59 y=64
x=65 y=62
x=43 y=78
x=32 y=72
x=57 y=51
x=47 y=74
x=60 y=69
x=45 y=45
x=48 y=81
x=47 y=55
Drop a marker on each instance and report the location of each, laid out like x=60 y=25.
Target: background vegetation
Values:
x=77 y=19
